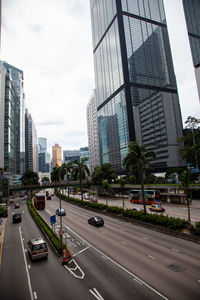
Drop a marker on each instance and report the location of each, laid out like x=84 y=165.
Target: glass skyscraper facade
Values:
x=136 y=92
x=192 y=16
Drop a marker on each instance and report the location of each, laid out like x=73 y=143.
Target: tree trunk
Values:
x=142 y=186
x=81 y=187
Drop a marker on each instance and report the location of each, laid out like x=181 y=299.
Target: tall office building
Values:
x=31 y=144
x=92 y=129
x=18 y=84
x=56 y=156
x=11 y=129
x=136 y=92
x=192 y=16
x=44 y=160
x=69 y=155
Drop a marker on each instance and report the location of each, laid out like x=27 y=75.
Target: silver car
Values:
x=37 y=248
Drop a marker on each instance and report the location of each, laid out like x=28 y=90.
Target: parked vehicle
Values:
x=17 y=218
x=151 y=196
x=37 y=248
x=156 y=208
x=86 y=196
x=61 y=212
x=93 y=200
x=16 y=205
x=96 y=221
x=138 y=209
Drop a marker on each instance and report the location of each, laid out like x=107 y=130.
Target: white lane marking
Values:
x=123 y=243
x=80 y=251
x=27 y=273
x=35 y=295
x=151 y=256
x=138 y=281
x=96 y=294
x=198 y=281
x=75 y=269
x=145 y=238
x=176 y=250
x=117 y=264
x=29 y=267
x=78 y=243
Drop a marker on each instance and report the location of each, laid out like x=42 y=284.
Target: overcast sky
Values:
x=51 y=41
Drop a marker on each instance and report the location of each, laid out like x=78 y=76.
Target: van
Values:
x=37 y=248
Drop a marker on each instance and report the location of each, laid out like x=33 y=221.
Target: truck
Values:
x=39 y=201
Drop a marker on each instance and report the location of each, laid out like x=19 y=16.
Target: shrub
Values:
x=51 y=235
x=3 y=212
x=196 y=229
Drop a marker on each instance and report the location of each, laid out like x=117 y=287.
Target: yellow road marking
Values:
x=2 y=240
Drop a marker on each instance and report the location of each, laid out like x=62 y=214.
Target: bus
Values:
x=39 y=201
x=151 y=196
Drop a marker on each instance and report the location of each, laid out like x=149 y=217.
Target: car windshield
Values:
x=97 y=218
x=39 y=246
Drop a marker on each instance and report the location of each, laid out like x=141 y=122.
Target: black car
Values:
x=49 y=197
x=96 y=221
x=61 y=212
x=17 y=218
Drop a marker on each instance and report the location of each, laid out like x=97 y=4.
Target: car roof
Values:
x=37 y=241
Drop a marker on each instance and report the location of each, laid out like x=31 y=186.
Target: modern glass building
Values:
x=136 y=92
x=192 y=16
x=11 y=103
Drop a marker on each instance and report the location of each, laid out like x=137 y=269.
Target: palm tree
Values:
x=122 y=182
x=81 y=171
x=185 y=179
x=138 y=157
x=106 y=186
x=29 y=177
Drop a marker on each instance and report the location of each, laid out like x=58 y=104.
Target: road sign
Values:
x=53 y=219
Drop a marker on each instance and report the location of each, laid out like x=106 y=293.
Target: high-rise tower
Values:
x=136 y=92
x=192 y=16
x=56 y=156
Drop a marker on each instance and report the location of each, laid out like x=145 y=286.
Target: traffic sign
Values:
x=53 y=219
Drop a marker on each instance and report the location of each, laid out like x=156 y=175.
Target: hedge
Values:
x=51 y=235
x=156 y=219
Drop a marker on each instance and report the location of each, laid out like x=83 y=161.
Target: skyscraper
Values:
x=31 y=144
x=92 y=129
x=11 y=105
x=56 y=156
x=136 y=92
x=44 y=161
x=192 y=16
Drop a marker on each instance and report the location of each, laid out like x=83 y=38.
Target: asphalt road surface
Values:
x=90 y=275
x=169 y=265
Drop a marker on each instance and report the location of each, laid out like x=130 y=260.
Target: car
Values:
x=37 y=248
x=156 y=208
x=16 y=205
x=49 y=197
x=86 y=196
x=17 y=218
x=61 y=212
x=93 y=200
x=96 y=221
x=138 y=209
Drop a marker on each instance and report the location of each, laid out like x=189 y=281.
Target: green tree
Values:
x=45 y=179
x=185 y=180
x=102 y=172
x=138 y=158
x=55 y=174
x=122 y=182
x=106 y=187
x=29 y=177
x=81 y=171
x=189 y=148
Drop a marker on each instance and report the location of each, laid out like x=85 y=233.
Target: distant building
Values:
x=31 y=144
x=84 y=153
x=11 y=104
x=69 y=155
x=92 y=130
x=56 y=156
x=44 y=160
x=192 y=16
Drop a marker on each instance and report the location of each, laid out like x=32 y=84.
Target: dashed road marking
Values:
x=176 y=250
x=152 y=257
x=124 y=243
x=35 y=295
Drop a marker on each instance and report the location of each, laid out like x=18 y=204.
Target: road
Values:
x=168 y=264
x=90 y=274
x=174 y=210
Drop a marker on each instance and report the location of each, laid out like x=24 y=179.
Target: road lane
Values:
x=146 y=253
